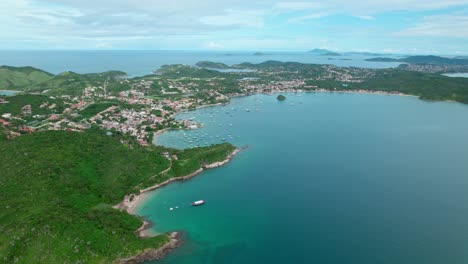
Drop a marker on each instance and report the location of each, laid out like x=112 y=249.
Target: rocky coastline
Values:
x=154 y=254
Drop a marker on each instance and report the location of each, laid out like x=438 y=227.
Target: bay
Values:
x=326 y=178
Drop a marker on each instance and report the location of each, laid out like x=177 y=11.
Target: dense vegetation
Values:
x=427 y=86
x=20 y=77
x=212 y=65
x=178 y=71
x=71 y=83
x=57 y=189
x=281 y=97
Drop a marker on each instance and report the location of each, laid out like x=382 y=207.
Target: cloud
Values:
x=214 y=45
x=365 y=17
x=453 y=25
x=155 y=22
x=302 y=19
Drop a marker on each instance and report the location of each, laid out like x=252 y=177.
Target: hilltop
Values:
x=20 y=77
x=212 y=65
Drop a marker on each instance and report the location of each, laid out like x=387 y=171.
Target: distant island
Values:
x=327 y=52
x=331 y=54
x=430 y=63
x=320 y=51
x=261 y=54
x=430 y=59
x=281 y=97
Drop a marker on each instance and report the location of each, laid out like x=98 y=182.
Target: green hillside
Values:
x=425 y=85
x=71 y=83
x=57 y=189
x=19 y=77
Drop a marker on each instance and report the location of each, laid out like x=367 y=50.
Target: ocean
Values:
x=138 y=63
x=326 y=178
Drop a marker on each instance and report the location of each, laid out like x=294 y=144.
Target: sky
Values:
x=393 y=26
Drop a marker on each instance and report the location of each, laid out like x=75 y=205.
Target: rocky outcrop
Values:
x=221 y=163
x=153 y=254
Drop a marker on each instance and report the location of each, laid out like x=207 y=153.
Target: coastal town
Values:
x=137 y=108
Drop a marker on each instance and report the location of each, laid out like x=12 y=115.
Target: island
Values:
x=281 y=97
x=429 y=63
x=261 y=54
x=80 y=150
x=319 y=51
x=331 y=53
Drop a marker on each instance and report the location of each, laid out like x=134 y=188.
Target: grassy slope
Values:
x=56 y=192
x=19 y=77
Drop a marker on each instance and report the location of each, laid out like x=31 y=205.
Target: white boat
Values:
x=199 y=202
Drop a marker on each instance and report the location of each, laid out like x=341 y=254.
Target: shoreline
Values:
x=154 y=254
x=132 y=201
x=156 y=134
x=160 y=132
x=371 y=92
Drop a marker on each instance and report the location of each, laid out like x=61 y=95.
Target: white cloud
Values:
x=214 y=45
x=302 y=19
x=95 y=22
x=455 y=25
x=365 y=17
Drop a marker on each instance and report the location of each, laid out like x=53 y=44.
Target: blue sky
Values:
x=397 y=26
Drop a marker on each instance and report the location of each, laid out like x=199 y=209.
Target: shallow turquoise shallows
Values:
x=326 y=178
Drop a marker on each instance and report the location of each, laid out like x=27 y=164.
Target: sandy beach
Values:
x=132 y=201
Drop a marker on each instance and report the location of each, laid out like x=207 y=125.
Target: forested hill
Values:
x=19 y=77
x=57 y=189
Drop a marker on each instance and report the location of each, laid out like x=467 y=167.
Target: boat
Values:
x=199 y=202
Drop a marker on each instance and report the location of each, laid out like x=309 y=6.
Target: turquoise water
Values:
x=326 y=178
x=8 y=92
x=137 y=63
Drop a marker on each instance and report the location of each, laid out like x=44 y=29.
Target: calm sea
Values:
x=137 y=63
x=327 y=178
